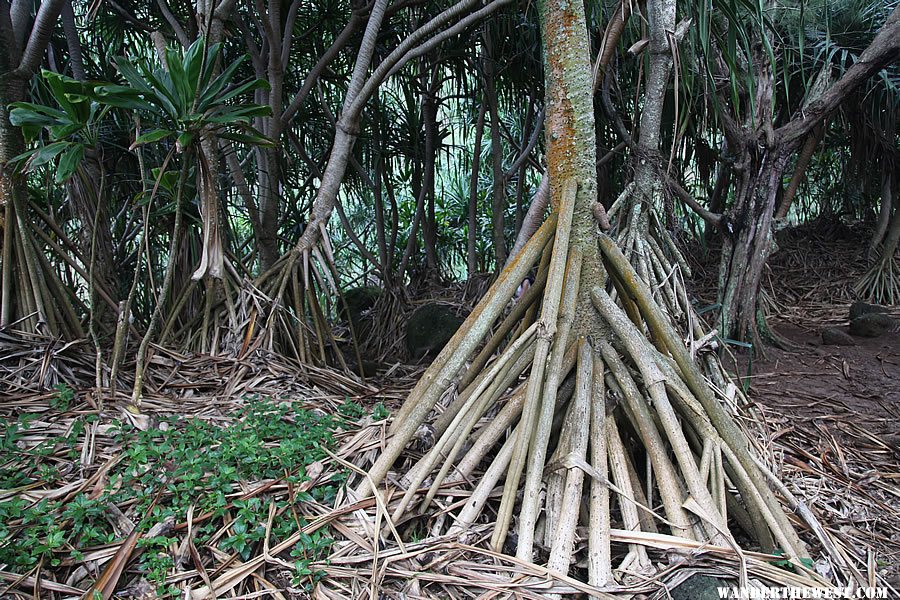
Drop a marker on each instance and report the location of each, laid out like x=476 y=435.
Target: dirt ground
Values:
x=846 y=384
x=833 y=414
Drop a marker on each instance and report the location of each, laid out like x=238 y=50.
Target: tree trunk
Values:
x=647 y=179
x=85 y=190
x=884 y=211
x=429 y=227
x=472 y=250
x=498 y=201
x=717 y=198
x=73 y=42
x=670 y=410
x=380 y=229
x=533 y=218
x=211 y=17
x=892 y=240
x=806 y=154
x=12 y=193
x=523 y=168
x=747 y=244
x=881 y=282
x=23 y=43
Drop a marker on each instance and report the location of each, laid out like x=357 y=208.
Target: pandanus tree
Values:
x=185 y=101
x=309 y=263
x=71 y=132
x=549 y=398
x=30 y=295
x=762 y=132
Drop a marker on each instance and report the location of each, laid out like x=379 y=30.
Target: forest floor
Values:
x=832 y=412
x=75 y=472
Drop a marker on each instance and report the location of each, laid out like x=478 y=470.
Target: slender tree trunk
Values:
x=380 y=230
x=884 y=211
x=891 y=241
x=806 y=154
x=12 y=194
x=395 y=219
x=499 y=188
x=429 y=227
x=523 y=169
x=472 y=250
x=73 y=42
x=533 y=218
x=89 y=202
x=269 y=197
x=269 y=175
x=87 y=197
x=211 y=17
x=717 y=198
x=647 y=178
x=345 y=134
x=23 y=43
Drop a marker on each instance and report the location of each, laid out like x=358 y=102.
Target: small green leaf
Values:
x=46 y=153
x=251 y=139
x=26 y=113
x=68 y=162
x=150 y=137
x=185 y=140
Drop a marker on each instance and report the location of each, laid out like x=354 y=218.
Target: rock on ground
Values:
x=357 y=305
x=859 y=308
x=833 y=336
x=429 y=329
x=873 y=325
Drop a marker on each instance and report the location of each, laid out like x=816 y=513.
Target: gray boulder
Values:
x=859 y=308
x=832 y=336
x=701 y=587
x=357 y=306
x=873 y=325
x=429 y=328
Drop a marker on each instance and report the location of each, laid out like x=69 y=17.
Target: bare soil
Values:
x=833 y=412
x=858 y=384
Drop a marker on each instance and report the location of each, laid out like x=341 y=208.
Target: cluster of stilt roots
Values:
x=584 y=451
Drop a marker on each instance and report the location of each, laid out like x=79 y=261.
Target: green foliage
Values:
x=163 y=474
x=62 y=398
x=185 y=99
x=71 y=128
x=787 y=565
x=380 y=413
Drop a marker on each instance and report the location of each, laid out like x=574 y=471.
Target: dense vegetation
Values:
x=140 y=146
x=218 y=178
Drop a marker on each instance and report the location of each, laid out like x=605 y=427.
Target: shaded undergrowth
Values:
x=238 y=481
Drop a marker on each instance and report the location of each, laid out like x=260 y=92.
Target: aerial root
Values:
x=596 y=425
x=881 y=282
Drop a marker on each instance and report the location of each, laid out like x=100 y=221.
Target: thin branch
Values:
x=686 y=198
x=44 y=22
x=409 y=48
x=288 y=33
x=173 y=23
x=532 y=142
x=342 y=39
x=130 y=17
x=883 y=50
